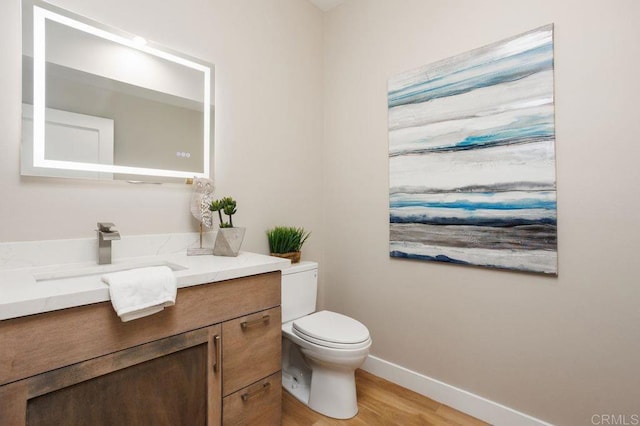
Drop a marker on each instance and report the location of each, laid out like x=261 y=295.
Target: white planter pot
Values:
x=228 y=241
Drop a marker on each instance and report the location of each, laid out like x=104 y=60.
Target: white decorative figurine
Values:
x=201 y=198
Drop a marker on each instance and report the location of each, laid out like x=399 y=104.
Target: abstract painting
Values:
x=472 y=157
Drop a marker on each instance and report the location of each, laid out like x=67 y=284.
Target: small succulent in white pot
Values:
x=229 y=237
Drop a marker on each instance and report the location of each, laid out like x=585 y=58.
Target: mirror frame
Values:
x=42 y=12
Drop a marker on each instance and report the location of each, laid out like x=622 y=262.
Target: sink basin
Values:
x=86 y=271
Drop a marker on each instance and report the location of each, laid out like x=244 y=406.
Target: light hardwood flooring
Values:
x=380 y=403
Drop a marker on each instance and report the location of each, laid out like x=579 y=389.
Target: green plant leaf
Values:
x=227 y=205
x=286 y=239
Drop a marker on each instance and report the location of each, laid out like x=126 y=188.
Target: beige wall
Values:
x=268 y=57
x=560 y=349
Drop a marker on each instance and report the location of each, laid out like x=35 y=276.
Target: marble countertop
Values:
x=33 y=290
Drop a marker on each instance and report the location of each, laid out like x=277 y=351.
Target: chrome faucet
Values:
x=105 y=236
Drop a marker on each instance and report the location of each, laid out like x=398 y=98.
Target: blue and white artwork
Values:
x=472 y=159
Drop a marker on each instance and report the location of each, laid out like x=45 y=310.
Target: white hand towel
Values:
x=140 y=292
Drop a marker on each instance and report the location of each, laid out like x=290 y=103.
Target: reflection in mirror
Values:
x=100 y=103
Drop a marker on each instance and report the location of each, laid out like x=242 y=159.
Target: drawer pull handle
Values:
x=218 y=350
x=249 y=395
x=247 y=324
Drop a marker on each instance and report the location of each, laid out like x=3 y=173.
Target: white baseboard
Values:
x=474 y=405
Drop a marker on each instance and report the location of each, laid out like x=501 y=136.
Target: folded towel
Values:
x=140 y=292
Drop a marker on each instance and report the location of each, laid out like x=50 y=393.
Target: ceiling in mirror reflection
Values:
x=157 y=100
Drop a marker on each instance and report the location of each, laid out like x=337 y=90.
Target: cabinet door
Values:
x=251 y=349
x=172 y=381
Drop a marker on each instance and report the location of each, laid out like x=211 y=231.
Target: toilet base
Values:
x=325 y=400
x=333 y=392
x=326 y=388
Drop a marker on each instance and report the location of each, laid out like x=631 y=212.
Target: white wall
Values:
x=560 y=349
x=268 y=58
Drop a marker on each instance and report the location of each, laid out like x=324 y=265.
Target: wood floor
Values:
x=380 y=403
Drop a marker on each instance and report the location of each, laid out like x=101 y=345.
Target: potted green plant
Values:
x=229 y=237
x=287 y=241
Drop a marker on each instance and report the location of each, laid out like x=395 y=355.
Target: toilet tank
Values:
x=299 y=290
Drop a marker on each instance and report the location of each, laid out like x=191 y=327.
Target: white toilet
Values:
x=320 y=350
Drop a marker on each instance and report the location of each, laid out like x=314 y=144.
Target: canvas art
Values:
x=472 y=157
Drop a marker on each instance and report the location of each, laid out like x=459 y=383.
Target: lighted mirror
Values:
x=105 y=104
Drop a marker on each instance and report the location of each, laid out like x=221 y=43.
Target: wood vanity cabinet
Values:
x=213 y=358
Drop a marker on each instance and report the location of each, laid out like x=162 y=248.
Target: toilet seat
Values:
x=332 y=330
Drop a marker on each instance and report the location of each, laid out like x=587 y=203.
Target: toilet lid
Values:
x=331 y=329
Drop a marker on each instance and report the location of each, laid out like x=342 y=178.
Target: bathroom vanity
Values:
x=213 y=358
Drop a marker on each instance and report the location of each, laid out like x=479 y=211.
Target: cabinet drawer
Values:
x=259 y=403
x=251 y=349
